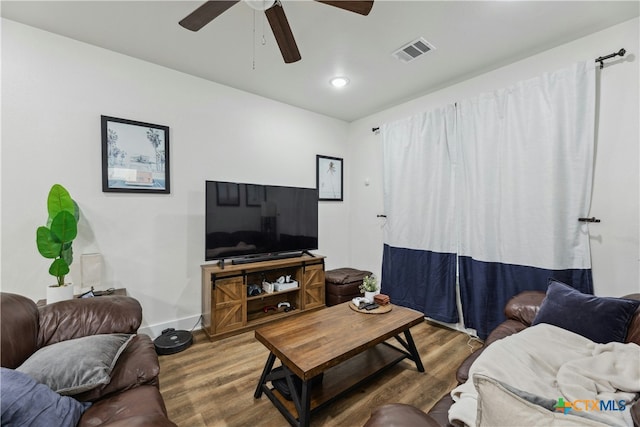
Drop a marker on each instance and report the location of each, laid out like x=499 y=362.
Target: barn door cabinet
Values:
x=228 y=310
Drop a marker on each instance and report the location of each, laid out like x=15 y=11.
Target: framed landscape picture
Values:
x=329 y=173
x=135 y=156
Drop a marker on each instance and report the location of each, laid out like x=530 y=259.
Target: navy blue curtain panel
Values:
x=422 y=280
x=485 y=288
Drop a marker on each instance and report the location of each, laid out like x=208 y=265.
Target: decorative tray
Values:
x=380 y=310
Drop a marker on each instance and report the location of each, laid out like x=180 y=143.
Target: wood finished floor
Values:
x=212 y=383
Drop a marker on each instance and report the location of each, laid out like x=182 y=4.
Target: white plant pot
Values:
x=59 y=293
x=369 y=295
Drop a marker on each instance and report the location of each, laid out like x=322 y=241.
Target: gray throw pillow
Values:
x=77 y=365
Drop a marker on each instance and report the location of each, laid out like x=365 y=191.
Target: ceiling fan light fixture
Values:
x=274 y=13
x=339 y=81
x=260 y=5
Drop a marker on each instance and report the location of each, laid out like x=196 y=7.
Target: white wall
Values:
x=54 y=90
x=616 y=195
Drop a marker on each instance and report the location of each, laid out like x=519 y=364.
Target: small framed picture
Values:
x=135 y=156
x=329 y=174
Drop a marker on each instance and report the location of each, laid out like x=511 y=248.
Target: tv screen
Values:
x=250 y=220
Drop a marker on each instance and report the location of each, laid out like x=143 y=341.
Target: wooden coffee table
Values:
x=346 y=345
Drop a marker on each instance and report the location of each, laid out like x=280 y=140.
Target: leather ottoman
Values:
x=343 y=284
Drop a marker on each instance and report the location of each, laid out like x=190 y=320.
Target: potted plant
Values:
x=55 y=240
x=369 y=287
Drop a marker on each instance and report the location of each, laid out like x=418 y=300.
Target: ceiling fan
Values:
x=275 y=15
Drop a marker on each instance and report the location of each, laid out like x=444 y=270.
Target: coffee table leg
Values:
x=267 y=368
x=413 y=350
x=302 y=402
x=304 y=415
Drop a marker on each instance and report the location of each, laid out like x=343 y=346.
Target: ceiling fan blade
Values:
x=206 y=13
x=361 y=7
x=282 y=32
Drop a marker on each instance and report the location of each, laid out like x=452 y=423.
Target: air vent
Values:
x=413 y=50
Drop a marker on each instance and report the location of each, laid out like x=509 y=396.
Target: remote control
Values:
x=363 y=304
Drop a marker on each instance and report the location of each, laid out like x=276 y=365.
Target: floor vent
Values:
x=413 y=50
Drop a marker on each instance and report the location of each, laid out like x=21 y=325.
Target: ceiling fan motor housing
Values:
x=260 y=5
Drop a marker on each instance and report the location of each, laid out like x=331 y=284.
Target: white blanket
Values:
x=552 y=362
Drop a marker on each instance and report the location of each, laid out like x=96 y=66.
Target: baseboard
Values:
x=456 y=327
x=191 y=323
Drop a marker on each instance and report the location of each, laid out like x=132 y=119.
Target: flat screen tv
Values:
x=249 y=222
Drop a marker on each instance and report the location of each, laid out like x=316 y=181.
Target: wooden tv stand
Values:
x=228 y=310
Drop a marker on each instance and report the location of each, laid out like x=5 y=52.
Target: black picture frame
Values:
x=329 y=178
x=135 y=156
x=227 y=194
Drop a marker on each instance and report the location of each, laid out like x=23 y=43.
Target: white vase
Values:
x=369 y=295
x=59 y=293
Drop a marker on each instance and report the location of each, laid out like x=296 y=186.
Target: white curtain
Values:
x=419 y=197
x=504 y=192
x=527 y=161
x=419 y=264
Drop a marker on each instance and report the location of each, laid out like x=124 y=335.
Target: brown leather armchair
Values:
x=520 y=312
x=132 y=397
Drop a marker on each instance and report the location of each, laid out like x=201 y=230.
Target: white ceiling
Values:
x=470 y=37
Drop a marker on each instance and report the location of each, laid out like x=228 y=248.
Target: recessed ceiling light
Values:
x=339 y=81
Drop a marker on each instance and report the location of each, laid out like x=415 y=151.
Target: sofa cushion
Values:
x=137 y=365
x=601 y=319
x=499 y=405
x=26 y=402
x=81 y=317
x=140 y=406
x=75 y=366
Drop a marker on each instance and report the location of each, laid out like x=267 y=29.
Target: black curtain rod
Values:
x=600 y=59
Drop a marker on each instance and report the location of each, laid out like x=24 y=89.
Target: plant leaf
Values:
x=47 y=247
x=76 y=211
x=59 y=268
x=64 y=227
x=59 y=200
x=67 y=253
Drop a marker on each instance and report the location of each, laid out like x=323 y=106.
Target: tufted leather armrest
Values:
x=18 y=329
x=633 y=333
x=80 y=317
x=524 y=306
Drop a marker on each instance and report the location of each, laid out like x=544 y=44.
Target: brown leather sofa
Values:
x=520 y=312
x=132 y=397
